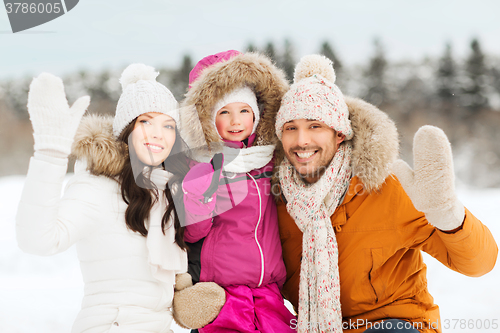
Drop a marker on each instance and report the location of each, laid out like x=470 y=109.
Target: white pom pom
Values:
x=136 y=72
x=314 y=64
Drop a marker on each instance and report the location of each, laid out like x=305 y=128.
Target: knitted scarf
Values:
x=311 y=206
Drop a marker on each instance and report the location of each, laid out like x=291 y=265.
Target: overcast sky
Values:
x=113 y=33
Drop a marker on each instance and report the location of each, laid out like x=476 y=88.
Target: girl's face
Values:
x=234 y=121
x=153 y=137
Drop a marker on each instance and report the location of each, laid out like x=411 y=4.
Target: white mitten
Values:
x=431 y=187
x=54 y=122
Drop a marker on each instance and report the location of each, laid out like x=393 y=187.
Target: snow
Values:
x=43 y=294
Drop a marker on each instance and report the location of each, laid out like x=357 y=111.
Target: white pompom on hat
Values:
x=239 y=95
x=142 y=94
x=314 y=95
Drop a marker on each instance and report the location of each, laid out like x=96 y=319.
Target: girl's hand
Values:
x=200 y=185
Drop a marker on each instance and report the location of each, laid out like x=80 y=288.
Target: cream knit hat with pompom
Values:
x=142 y=94
x=314 y=95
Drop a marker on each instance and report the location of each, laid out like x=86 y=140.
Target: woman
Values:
x=117 y=209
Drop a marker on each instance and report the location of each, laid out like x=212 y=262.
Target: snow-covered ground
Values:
x=43 y=294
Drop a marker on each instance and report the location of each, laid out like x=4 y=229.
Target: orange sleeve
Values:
x=472 y=250
x=291 y=243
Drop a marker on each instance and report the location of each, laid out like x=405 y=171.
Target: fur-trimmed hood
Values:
x=375 y=144
x=94 y=142
x=252 y=69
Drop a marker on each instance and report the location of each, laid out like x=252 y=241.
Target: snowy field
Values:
x=43 y=294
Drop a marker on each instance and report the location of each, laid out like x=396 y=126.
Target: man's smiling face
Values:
x=310 y=145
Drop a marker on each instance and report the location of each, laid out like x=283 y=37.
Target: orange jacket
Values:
x=382 y=274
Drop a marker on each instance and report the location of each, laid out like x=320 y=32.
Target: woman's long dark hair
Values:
x=140 y=194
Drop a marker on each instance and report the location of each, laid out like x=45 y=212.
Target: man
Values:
x=351 y=231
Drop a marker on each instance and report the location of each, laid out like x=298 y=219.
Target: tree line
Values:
x=461 y=95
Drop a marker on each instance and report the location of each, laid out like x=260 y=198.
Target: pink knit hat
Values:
x=208 y=61
x=314 y=95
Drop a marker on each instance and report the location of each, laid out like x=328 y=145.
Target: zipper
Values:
x=256 y=238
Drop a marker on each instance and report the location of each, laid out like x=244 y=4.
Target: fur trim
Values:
x=95 y=143
x=252 y=69
x=375 y=145
x=375 y=141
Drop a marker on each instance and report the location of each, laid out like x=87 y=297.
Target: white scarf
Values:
x=237 y=160
x=166 y=258
x=311 y=206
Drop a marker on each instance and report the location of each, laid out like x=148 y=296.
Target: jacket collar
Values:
x=241 y=144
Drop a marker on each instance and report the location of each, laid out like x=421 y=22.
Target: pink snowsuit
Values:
x=234 y=242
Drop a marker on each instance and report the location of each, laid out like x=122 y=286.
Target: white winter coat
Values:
x=121 y=292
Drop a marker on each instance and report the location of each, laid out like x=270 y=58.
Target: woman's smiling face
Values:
x=153 y=137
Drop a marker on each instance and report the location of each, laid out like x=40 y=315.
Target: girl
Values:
x=231 y=222
x=114 y=209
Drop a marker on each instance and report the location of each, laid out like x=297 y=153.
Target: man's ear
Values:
x=339 y=138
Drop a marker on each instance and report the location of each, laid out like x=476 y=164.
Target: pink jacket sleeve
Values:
x=198 y=208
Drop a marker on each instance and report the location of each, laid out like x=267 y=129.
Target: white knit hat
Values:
x=239 y=95
x=142 y=94
x=314 y=95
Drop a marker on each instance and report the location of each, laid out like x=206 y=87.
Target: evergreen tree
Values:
x=97 y=88
x=376 y=89
x=180 y=78
x=252 y=48
x=270 y=51
x=97 y=85
x=494 y=77
x=447 y=76
x=15 y=93
x=288 y=63
x=495 y=74
x=327 y=51
x=474 y=89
